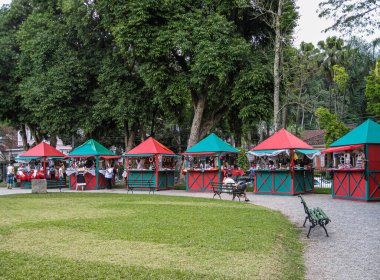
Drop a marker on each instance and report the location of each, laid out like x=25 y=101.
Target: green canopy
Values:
x=91 y=148
x=26 y=158
x=366 y=133
x=211 y=144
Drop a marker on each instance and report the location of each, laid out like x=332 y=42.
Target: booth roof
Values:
x=282 y=139
x=342 y=148
x=42 y=150
x=211 y=144
x=366 y=133
x=91 y=148
x=150 y=146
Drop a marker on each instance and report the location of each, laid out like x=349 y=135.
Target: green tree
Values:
x=186 y=51
x=372 y=90
x=341 y=79
x=11 y=108
x=57 y=66
x=361 y=15
x=334 y=127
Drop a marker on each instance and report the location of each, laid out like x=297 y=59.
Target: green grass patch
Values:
x=113 y=236
x=322 y=190
x=180 y=186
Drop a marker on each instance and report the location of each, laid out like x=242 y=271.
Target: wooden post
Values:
x=219 y=169
x=70 y=175
x=44 y=167
x=366 y=172
x=97 y=171
x=157 y=166
x=292 y=169
x=127 y=171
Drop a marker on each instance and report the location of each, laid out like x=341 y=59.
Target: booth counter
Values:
x=165 y=177
x=284 y=181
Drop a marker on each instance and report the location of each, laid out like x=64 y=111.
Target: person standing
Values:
x=61 y=175
x=10 y=175
x=109 y=176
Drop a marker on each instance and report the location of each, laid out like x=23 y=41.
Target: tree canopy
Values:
x=120 y=71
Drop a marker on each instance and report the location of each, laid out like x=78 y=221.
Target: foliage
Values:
x=143 y=237
x=334 y=127
x=361 y=15
x=373 y=90
x=119 y=71
x=340 y=77
x=242 y=159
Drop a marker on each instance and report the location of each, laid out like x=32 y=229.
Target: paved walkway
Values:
x=351 y=252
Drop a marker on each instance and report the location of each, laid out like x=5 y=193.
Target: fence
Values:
x=322 y=178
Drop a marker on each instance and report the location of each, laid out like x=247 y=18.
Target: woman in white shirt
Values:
x=10 y=175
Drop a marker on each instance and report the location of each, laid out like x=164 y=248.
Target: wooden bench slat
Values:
x=140 y=184
x=316 y=216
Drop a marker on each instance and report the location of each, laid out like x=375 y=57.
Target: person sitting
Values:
x=238 y=187
x=81 y=181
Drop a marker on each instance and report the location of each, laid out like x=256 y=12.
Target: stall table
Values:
x=90 y=179
x=283 y=181
x=360 y=184
x=201 y=180
x=292 y=180
x=165 y=177
x=160 y=176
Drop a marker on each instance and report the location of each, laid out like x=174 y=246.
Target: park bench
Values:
x=316 y=216
x=229 y=188
x=140 y=184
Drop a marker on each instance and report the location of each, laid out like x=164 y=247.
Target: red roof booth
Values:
x=204 y=163
x=283 y=165
x=151 y=164
x=355 y=162
x=44 y=152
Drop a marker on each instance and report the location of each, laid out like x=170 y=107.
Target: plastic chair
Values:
x=80 y=181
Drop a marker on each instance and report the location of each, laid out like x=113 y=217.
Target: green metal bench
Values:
x=229 y=188
x=316 y=216
x=140 y=184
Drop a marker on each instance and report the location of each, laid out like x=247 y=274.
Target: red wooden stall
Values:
x=356 y=164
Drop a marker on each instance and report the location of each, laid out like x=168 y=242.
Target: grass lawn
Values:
x=81 y=236
x=322 y=190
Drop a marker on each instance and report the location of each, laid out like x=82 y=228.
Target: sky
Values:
x=310 y=27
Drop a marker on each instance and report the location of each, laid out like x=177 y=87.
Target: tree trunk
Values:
x=199 y=103
x=178 y=128
x=284 y=116
x=130 y=140
x=129 y=136
x=24 y=139
x=153 y=124
x=53 y=140
x=276 y=66
x=33 y=132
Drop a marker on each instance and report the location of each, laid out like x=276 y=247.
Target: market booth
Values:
x=94 y=159
x=151 y=161
x=42 y=153
x=207 y=162
x=283 y=165
x=356 y=163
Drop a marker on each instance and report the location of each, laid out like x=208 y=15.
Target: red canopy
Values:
x=150 y=146
x=42 y=150
x=110 y=157
x=342 y=148
x=282 y=139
